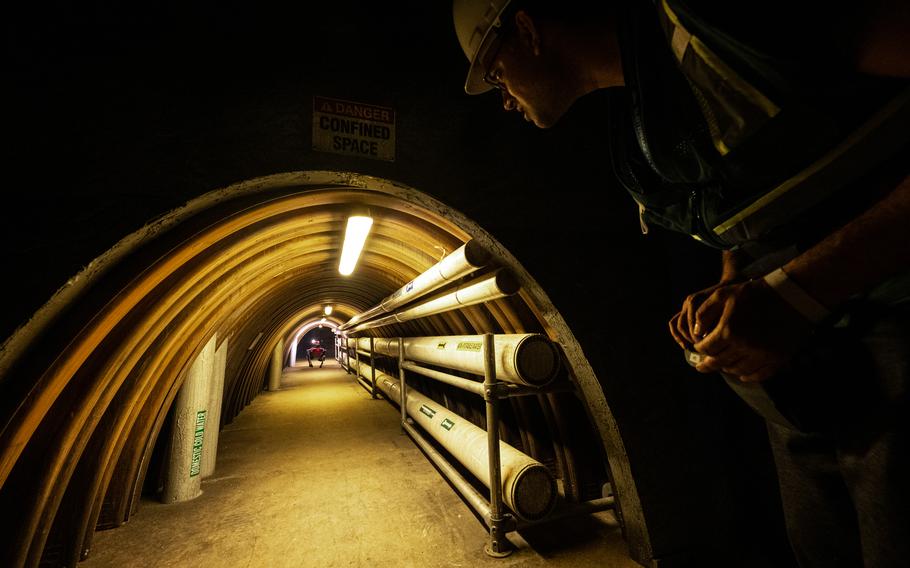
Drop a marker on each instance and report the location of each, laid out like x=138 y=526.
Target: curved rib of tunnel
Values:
x=93 y=375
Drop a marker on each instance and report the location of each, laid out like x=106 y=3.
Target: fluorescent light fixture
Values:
x=327 y=310
x=354 y=237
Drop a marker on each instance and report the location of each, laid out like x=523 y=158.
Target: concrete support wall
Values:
x=277 y=366
x=184 y=463
x=293 y=356
x=213 y=419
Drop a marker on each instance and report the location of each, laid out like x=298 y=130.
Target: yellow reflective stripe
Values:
x=671 y=14
x=721 y=147
x=891 y=108
x=768 y=198
x=752 y=94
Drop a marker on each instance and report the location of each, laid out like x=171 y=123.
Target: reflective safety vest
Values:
x=739 y=148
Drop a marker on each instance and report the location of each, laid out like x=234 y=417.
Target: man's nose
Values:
x=508 y=101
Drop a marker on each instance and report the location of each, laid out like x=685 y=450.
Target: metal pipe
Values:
x=573 y=510
x=528 y=486
x=497 y=285
x=461 y=262
x=523 y=358
x=474 y=498
x=459 y=382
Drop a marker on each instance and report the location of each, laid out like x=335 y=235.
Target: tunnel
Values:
x=177 y=200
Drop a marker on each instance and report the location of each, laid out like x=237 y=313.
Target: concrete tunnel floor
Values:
x=318 y=474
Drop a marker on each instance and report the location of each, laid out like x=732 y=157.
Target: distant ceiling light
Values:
x=327 y=310
x=323 y=319
x=354 y=237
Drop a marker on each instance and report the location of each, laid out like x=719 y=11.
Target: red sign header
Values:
x=354 y=110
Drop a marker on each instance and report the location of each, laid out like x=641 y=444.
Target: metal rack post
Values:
x=345 y=362
x=498 y=546
x=372 y=370
x=401 y=383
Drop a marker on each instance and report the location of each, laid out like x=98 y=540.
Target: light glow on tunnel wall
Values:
x=302 y=331
x=254 y=247
x=355 y=236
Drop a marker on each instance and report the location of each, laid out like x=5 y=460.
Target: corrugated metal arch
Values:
x=254 y=258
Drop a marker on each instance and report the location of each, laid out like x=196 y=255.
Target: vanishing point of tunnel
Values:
x=201 y=367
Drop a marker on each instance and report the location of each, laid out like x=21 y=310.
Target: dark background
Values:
x=116 y=115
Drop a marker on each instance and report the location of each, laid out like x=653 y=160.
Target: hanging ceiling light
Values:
x=327 y=310
x=354 y=236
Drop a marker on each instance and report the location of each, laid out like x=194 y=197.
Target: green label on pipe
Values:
x=447 y=424
x=426 y=410
x=470 y=346
x=197 y=443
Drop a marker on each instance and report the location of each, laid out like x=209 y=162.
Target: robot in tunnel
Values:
x=315 y=352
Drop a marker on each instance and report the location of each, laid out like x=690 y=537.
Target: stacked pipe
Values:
x=528 y=487
x=499 y=284
x=461 y=262
x=528 y=359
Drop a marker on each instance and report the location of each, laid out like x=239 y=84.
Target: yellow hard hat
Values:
x=478 y=23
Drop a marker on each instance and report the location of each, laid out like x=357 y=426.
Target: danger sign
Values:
x=353 y=129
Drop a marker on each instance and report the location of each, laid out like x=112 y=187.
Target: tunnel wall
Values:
x=138 y=118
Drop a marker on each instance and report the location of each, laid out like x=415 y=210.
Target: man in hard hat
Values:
x=779 y=135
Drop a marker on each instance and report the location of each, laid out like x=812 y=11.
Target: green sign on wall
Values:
x=197 y=443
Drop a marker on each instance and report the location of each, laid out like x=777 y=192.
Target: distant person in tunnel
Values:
x=315 y=352
x=778 y=134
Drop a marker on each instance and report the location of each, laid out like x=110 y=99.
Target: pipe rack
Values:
x=514 y=479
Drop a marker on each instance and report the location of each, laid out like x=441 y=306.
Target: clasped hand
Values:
x=743 y=329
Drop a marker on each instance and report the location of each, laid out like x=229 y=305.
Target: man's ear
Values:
x=528 y=34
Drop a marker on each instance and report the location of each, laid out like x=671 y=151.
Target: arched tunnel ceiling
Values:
x=249 y=267
x=120 y=113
